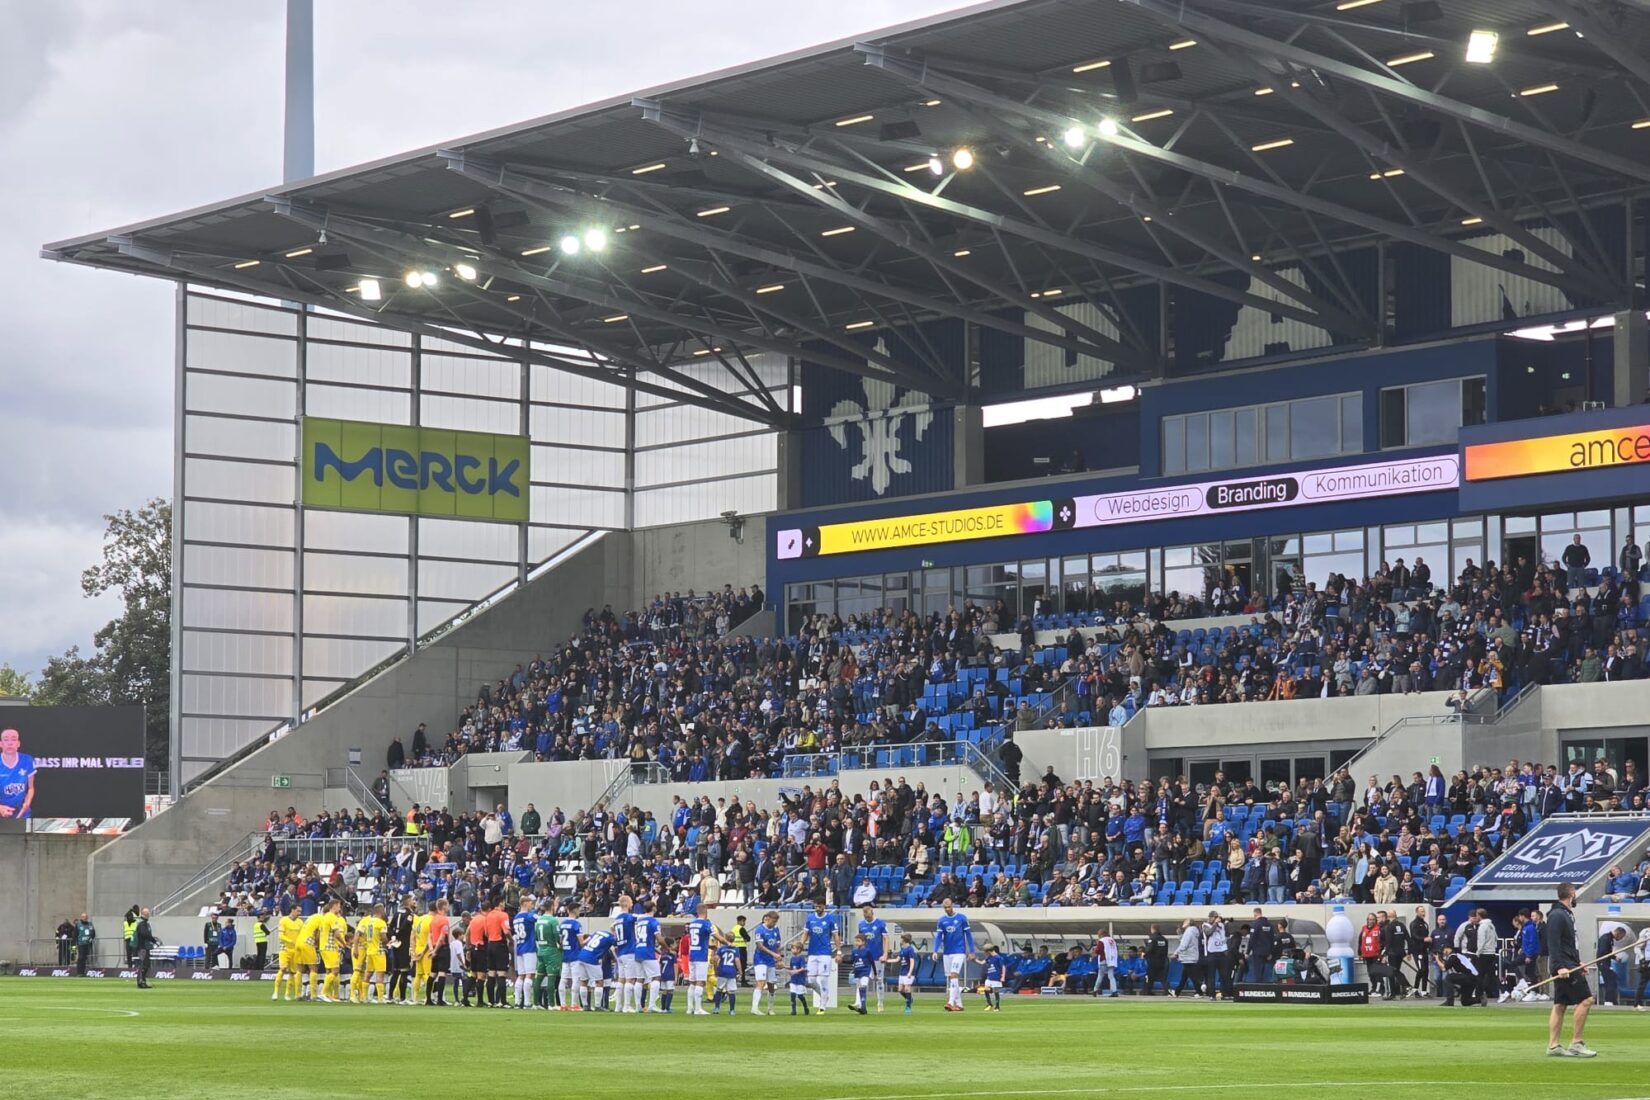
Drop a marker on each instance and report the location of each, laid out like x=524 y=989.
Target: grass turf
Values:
x=96 y=1039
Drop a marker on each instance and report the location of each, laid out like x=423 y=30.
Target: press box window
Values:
x=1306 y=428
x=1430 y=412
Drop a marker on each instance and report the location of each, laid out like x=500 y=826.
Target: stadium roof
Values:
x=814 y=198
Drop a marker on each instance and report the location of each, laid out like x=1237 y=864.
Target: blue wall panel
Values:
x=898 y=456
x=1367 y=373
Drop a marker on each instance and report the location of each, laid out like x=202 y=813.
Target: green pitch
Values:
x=96 y=1039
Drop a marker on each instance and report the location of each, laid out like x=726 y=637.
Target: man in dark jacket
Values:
x=143 y=941
x=1262 y=948
x=1157 y=960
x=1395 y=945
x=85 y=942
x=65 y=942
x=1459 y=974
x=1419 y=935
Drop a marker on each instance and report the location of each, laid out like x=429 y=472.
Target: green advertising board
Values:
x=360 y=467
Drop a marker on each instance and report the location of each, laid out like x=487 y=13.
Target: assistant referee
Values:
x=1570 y=987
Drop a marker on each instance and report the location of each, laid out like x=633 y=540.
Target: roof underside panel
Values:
x=1232 y=150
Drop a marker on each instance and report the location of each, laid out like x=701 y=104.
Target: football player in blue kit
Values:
x=766 y=963
x=646 y=937
x=907 y=969
x=820 y=934
x=864 y=960
x=703 y=938
x=624 y=950
x=875 y=931
x=572 y=954
x=727 y=979
x=996 y=972
x=953 y=942
x=799 y=983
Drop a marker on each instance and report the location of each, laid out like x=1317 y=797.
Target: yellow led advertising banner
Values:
x=360 y=467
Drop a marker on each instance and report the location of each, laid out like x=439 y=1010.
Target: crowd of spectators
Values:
x=1385 y=841
x=1397 y=632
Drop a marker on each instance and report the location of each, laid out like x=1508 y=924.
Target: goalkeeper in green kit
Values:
x=548 y=935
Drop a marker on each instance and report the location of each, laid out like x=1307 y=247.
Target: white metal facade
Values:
x=276 y=607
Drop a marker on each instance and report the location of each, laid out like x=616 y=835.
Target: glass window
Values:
x=1277 y=433
x=1392 y=417
x=1519 y=525
x=1197 y=442
x=1222 y=454
x=1174 y=445
x=1314 y=427
x=1243 y=437
x=1352 y=423
x=1432 y=413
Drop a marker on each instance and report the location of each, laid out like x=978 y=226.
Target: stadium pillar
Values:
x=298 y=161
x=967 y=445
x=1632 y=359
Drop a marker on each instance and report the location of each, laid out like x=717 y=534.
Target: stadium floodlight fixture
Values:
x=962 y=159
x=416 y=278
x=570 y=245
x=1107 y=127
x=464 y=271
x=371 y=291
x=1481 y=47
x=595 y=240
x=1075 y=137
x=936 y=166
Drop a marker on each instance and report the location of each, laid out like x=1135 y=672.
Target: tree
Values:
x=132 y=662
x=13 y=683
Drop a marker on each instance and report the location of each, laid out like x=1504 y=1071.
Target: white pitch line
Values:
x=1101 y=1091
x=77 y=1008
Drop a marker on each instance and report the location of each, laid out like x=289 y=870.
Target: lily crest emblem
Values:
x=878 y=422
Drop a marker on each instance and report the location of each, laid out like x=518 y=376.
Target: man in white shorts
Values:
x=953 y=942
x=766 y=963
x=823 y=940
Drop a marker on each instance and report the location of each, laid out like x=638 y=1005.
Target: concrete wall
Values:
x=150 y=861
x=699 y=556
x=45 y=881
x=1193 y=730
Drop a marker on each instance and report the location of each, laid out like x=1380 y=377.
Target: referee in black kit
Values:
x=1570 y=987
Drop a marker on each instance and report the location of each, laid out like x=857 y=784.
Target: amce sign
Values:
x=361 y=467
x=1558 y=454
x=1234 y=494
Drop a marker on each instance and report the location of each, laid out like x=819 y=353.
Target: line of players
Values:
x=549 y=961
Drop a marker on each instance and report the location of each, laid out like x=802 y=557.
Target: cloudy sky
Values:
x=117 y=110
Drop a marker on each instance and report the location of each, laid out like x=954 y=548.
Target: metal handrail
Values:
x=327 y=849
x=363 y=793
x=825 y=764
x=241 y=849
x=1453 y=718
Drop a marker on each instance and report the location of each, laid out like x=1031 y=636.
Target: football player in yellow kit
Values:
x=287 y=969
x=423 y=954
x=309 y=956
x=369 y=936
x=334 y=938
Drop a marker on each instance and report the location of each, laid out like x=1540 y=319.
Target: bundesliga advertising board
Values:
x=71 y=762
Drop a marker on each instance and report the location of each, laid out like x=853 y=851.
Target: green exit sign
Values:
x=280 y=782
